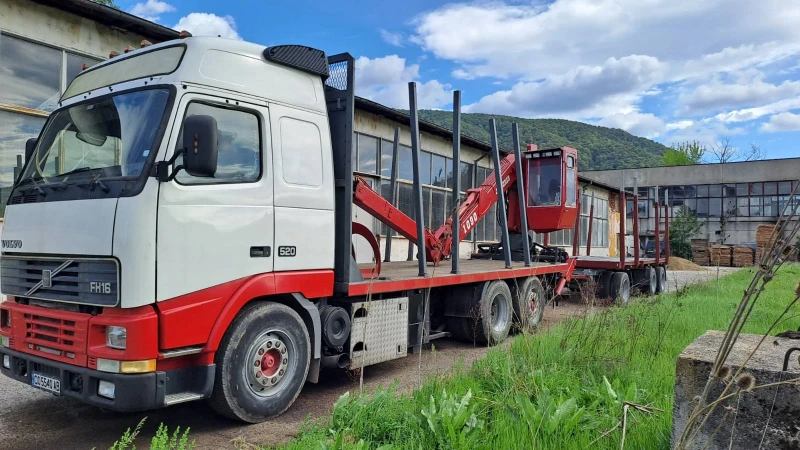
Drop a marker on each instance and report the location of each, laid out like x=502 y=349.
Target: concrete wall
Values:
x=737 y=172
x=52 y=26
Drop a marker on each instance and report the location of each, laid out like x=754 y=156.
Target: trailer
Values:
x=183 y=230
x=619 y=278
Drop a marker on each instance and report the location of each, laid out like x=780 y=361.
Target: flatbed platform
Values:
x=610 y=262
x=398 y=276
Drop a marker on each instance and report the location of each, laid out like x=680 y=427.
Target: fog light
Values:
x=105 y=389
x=6 y=361
x=116 y=337
x=107 y=365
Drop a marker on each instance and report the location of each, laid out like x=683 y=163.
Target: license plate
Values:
x=48 y=384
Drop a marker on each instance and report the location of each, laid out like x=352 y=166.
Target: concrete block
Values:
x=771 y=415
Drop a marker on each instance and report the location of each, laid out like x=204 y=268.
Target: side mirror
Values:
x=30 y=146
x=200 y=146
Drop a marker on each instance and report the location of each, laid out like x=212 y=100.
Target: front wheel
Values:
x=262 y=363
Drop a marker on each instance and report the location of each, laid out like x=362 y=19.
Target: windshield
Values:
x=544 y=182
x=106 y=138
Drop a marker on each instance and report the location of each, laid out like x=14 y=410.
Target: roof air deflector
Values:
x=300 y=57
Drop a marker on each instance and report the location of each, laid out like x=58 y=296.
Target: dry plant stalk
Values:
x=771 y=260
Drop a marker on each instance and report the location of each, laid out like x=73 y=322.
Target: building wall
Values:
x=41 y=50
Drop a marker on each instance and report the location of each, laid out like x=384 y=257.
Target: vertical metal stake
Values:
x=501 y=200
x=412 y=104
x=455 y=241
x=523 y=199
x=392 y=193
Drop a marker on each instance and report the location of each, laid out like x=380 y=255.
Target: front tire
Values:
x=262 y=363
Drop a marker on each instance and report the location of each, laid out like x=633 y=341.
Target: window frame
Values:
x=237 y=107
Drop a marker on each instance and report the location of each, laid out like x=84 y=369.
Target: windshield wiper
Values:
x=95 y=178
x=36 y=185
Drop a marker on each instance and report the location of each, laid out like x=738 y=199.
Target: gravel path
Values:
x=33 y=419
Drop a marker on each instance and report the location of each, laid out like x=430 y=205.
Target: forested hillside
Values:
x=598 y=147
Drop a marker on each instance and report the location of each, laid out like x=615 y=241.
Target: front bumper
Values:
x=133 y=392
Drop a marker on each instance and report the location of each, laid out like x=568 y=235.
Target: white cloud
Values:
x=785 y=121
x=680 y=125
x=385 y=80
x=639 y=124
x=205 y=24
x=587 y=91
x=596 y=60
x=717 y=96
x=390 y=38
x=151 y=9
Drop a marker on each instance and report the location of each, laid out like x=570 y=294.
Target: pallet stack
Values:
x=721 y=255
x=700 y=254
x=764 y=238
x=743 y=256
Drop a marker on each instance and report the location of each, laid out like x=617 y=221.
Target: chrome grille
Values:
x=87 y=281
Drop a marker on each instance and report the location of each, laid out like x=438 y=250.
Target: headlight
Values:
x=116 y=337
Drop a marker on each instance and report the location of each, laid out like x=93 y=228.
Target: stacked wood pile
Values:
x=700 y=254
x=743 y=256
x=721 y=255
x=764 y=238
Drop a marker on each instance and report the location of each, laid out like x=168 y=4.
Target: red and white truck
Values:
x=182 y=230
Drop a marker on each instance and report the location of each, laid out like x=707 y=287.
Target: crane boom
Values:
x=438 y=244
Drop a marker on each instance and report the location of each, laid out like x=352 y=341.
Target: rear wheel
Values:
x=620 y=288
x=661 y=279
x=645 y=280
x=262 y=363
x=529 y=301
x=496 y=314
x=604 y=285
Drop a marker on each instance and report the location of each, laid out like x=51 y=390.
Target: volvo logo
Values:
x=47 y=277
x=12 y=243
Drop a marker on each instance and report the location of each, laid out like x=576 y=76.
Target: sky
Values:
x=669 y=70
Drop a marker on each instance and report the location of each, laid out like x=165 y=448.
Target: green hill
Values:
x=598 y=147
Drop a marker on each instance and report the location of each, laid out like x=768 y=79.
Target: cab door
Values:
x=212 y=231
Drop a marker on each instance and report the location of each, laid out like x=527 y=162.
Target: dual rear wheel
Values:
x=497 y=308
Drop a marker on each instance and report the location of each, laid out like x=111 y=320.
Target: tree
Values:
x=723 y=152
x=109 y=3
x=682 y=229
x=684 y=154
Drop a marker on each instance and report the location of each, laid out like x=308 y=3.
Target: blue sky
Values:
x=669 y=70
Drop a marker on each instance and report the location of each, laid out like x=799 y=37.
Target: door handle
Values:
x=260 y=252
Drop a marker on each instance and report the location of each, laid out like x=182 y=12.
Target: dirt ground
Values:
x=32 y=419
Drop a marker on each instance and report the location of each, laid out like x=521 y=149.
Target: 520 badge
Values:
x=288 y=251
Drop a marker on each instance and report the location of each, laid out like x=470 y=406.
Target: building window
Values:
x=436 y=173
x=33 y=76
x=599 y=222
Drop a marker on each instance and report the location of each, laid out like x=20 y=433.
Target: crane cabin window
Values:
x=544 y=182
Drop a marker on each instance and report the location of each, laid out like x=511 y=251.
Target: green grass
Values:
x=562 y=388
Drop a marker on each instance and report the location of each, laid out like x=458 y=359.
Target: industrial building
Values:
x=731 y=199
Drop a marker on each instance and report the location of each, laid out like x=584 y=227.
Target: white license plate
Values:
x=49 y=384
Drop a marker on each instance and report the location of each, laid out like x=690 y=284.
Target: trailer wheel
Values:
x=620 y=288
x=661 y=279
x=645 y=281
x=262 y=363
x=529 y=300
x=497 y=311
x=604 y=285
